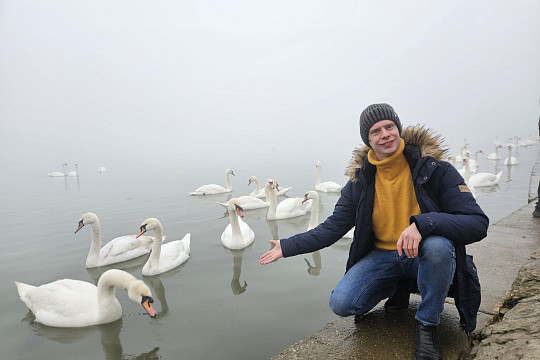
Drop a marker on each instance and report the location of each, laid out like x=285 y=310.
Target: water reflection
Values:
x=236 y=285
x=109 y=333
x=131 y=266
x=158 y=292
x=315 y=269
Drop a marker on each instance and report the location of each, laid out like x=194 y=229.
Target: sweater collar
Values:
x=388 y=161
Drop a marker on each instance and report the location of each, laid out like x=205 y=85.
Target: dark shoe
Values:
x=426 y=343
x=536 y=212
x=399 y=302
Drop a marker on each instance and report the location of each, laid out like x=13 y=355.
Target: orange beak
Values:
x=142 y=232
x=79 y=227
x=147 y=305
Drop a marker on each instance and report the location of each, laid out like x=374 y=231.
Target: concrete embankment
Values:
x=508 y=319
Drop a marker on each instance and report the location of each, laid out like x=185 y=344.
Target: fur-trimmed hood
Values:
x=426 y=140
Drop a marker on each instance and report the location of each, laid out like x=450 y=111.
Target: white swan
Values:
x=495 y=155
x=484 y=179
x=74 y=172
x=164 y=257
x=75 y=303
x=466 y=170
x=248 y=202
x=58 y=173
x=467 y=175
x=101 y=169
x=473 y=163
x=288 y=208
x=260 y=193
x=327 y=186
x=238 y=234
x=117 y=250
x=214 y=188
x=314 y=218
x=510 y=160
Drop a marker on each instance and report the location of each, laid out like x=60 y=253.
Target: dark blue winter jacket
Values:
x=448 y=209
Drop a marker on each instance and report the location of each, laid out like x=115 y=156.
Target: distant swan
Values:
x=238 y=234
x=164 y=257
x=101 y=169
x=215 y=189
x=117 y=250
x=58 y=173
x=510 y=160
x=484 y=179
x=288 y=208
x=75 y=303
x=495 y=155
x=260 y=193
x=75 y=172
x=248 y=202
x=327 y=186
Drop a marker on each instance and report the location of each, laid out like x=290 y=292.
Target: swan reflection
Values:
x=236 y=286
x=315 y=269
x=109 y=334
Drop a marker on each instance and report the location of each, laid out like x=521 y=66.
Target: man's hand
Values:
x=408 y=241
x=273 y=254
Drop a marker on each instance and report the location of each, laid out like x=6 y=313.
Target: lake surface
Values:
x=220 y=304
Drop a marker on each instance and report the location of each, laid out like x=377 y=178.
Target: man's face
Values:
x=384 y=138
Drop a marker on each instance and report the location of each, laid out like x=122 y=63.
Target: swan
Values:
x=473 y=163
x=467 y=175
x=288 y=208
x=327 y=186
x=75 y=303
x=248 y=202
x=484 y=179
x=510 y=160
x=164 y=257
x=495 y=155
x=260 y=193
x=117 y=250
x=101 y=169
x=58 y=173
x=75 y=172
x=314 y=218
x=237 y=235
x=215 y=189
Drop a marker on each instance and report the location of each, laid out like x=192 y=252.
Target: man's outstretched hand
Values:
x=273 y=254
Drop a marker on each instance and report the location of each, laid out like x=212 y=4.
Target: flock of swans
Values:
x=469 y=169
x=75 y=303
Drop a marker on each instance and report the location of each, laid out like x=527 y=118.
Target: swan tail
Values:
x=222 y=204
x=186 y=241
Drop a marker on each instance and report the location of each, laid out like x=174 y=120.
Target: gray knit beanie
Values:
x=374 y=113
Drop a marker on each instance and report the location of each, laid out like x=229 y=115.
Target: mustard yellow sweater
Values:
x=395 y=199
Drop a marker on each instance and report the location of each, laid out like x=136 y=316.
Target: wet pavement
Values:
x=379 y=335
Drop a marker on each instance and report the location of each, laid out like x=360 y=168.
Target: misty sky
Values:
x=126 y=79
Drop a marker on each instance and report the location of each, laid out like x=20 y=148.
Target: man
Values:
x=536 y=211
x=413 y=214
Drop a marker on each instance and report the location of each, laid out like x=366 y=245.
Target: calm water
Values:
x=220 y=304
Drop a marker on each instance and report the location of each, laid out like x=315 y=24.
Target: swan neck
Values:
x=227 y=181
x=233 y=216
x=271 y=198
x=314 y=219
x=95 y=245
x=106 y=288
x=156 y=245
x=318 y=175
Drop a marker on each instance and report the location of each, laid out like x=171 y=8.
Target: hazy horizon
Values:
x=203 y=80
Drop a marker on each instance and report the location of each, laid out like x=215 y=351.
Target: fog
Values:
x=104 y=81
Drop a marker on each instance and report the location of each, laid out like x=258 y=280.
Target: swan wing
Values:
x=328 y=186
x=173 y=254
x=63 y=303
x=292 y=207
x=125 y=248
x=210 y=189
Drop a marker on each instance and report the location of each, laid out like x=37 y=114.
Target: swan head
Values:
x=311 y=194
x=233 y=205
x=229 y=171
x=318 y=164
x=139 y=292
x=252 y=179
x=272 y=184
x=149 y=224
x=86 y=219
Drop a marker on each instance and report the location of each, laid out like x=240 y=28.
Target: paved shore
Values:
x=499 y=258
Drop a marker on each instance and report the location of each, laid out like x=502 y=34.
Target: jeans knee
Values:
x=437 y=249
x=338 y=305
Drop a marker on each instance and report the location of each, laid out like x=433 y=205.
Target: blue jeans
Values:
x=375 y=277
